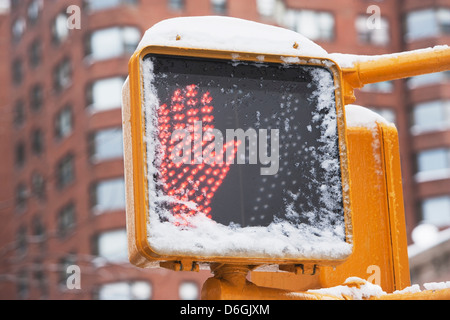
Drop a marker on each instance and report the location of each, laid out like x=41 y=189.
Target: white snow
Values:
x=232 y=34
x=358 y=116
x=359 y=289
x=363 y=289
x=437 y=285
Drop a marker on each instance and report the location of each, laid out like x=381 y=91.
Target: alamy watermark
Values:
x=374 y=21
x=73 y=281
x=74 y=18
x=193 y=148
x=375 y=274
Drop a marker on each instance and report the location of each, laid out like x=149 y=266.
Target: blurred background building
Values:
x=61 y=173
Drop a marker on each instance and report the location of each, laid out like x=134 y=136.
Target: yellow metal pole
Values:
x=394 y=66
x=230 y=283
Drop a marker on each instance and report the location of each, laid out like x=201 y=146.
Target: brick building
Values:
x=61 y=196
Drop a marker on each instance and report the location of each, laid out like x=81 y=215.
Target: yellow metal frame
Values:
x=394 y=66
x=140 y=251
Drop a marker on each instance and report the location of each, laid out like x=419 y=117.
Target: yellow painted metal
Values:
x=380 y=247
x=395 y=66
x=230 y=283
x=441 y=294
x=140 y=252
x=379 y=233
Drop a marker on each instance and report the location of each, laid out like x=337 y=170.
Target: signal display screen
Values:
x=256 y=149
x=243 y=144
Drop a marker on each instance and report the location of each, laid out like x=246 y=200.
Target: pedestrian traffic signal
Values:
x=235 y=157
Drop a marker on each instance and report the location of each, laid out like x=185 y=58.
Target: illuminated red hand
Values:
x=192 y=184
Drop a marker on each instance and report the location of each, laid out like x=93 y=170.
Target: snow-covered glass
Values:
x=246 y=153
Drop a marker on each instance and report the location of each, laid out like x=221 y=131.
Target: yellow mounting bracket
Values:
x=394 y=66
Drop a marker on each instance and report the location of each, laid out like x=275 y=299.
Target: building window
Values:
x=112 y=246
x=38 y=186
x=20 y=154
x=59 y=29
x=17 y=71
x=34 y=9
x=37 y=141
x=176 y=4
x=427 y=23
x=105 y=94
x=219 y=6
x=35 y=53
x=38 y=229
x=136 y=290
x=64 y=123
x=381 y=87
x=23 y=290
x=40 y=278
x=428 y=79
x=108 y=195
x=375 y=35
x=315 y=25
x=21 y=197
x=18 y=29
x=62 y=75
x=436 y=211
x=188 y=290
x=95 y=5
x=433 y=164
x=106 y=144
x=64 y=263
x=65 y=171
x=36 y=97
x=66 y=219
x=113 y=42
x=19 y=114
x=266 y=8
x=431 y=116
x=21 y=241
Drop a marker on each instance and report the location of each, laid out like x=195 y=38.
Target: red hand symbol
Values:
x=192 y=185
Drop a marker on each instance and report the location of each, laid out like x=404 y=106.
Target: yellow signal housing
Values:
x=379 y=232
